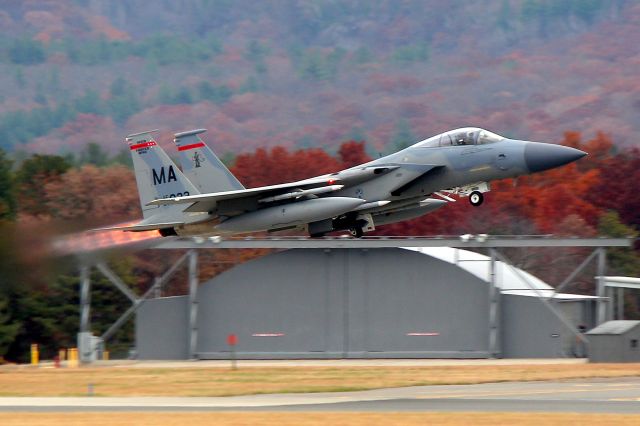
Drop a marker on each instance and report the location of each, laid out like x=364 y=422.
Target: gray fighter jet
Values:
x=205 y=198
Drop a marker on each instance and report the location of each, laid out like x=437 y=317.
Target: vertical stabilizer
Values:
x=157 y=177
x=201 y=165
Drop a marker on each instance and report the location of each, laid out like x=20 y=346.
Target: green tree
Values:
x=403 y=136
x=183 y=96
x=21 y=82
x=413 y=53
x=8 y=328
x=313 y=66
x=94 y=154
x=362 y=55
x=255 y=51
x=123 y=157
x=32 y=176
x=588 y=9
x=356 y=134
x=504 y=16
x=250 y=85
x=107 y=304
x=123 y=102
x=39 y=96
x=54 y=81
x=21 y=284
x=119 y=87
x=624 y=261
x=89 y=103
x=260 y=67
x=209 y=92
x=24 y=51
x=7 y=197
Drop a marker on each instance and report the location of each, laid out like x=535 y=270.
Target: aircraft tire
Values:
x=357 y=232
x=476 y=198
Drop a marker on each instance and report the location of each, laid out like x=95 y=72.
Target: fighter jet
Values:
x=206 y=199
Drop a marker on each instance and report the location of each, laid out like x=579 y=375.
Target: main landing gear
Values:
x=476 y=198
x=357 y=232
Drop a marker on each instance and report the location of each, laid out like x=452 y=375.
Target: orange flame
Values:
x=89 y=241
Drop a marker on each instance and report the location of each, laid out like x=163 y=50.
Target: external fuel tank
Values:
x=290 y=214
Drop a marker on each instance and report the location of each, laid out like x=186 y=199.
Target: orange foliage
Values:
x=95 y=195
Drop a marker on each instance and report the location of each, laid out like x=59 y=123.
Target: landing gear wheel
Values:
x=476 y=198
x=357 y=232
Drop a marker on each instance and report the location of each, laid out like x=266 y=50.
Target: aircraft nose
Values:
x=544 y=156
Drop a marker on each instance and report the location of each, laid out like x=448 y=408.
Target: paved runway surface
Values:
x=620 y=395
x=310 y=363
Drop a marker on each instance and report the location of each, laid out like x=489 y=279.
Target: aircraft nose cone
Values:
x=545 y=156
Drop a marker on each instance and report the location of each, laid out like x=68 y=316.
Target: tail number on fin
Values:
x=162 y=177
x=177 y=195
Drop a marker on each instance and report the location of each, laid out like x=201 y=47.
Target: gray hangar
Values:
x=365 y=303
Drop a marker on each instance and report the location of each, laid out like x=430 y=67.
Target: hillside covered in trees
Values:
x=304 y=73
x=291 y=89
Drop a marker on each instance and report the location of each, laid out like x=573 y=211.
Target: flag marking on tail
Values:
x=192 y=146
x=142 y=145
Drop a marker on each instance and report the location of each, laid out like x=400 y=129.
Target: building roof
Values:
x=509 y=281
x=614 y=327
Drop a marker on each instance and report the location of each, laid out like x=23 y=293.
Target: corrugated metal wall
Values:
x=380 y=303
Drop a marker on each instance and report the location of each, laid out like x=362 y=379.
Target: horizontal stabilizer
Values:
x=140 y=227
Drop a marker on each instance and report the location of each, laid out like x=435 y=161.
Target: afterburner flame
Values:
x=90 y=241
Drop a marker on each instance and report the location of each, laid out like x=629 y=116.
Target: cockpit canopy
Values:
x=463 y=136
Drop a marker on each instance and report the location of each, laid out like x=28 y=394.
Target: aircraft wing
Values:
x=207 y=202
x=231 y=203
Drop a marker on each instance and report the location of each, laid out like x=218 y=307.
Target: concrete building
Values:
x=368 y=303
x=615 y=341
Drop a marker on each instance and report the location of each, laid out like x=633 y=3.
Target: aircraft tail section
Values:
x=201 y=166
x=157 y=177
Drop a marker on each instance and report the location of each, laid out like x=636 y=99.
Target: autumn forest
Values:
x=292 y=89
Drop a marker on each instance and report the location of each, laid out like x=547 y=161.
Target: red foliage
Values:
x=352 y=153
x=617 y=189
x=278 y=165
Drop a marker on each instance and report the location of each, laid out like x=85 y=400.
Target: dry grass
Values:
x=285 y=419
x=254 y=380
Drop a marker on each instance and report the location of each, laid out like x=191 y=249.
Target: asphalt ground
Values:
x=312 y=363
x=619 y=395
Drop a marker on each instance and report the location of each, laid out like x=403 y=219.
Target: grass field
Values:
x=126 y=381
x=286 y=419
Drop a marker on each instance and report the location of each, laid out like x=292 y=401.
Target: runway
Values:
x=620 y=395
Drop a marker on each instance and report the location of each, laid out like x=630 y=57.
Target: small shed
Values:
x=615 y=341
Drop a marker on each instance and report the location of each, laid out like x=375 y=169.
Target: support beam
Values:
x=116 y=281
x=575 y=272
x=85 y=299
x=385 y=242
x=620 y=298
x=494 y=304
x=601 y=291
x=193 y=303
x=157 y=292
x=125 y=316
